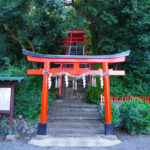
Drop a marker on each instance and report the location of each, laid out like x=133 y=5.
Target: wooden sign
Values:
x=6 y=102
x=7 y=97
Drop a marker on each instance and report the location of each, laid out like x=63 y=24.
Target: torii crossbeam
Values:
x=105 y=60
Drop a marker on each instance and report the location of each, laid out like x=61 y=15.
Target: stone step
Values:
x=92 y=122
x=63 y=130
x=74 y=105
x=75 y=115
x=73 y=100
x=74 y=49
x=56 y=112
x=73 y=118
x=79 y=83
x=61 y=109
x=74 y=52
x=74 y=124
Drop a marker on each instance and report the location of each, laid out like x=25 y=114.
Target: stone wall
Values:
x=22 y=127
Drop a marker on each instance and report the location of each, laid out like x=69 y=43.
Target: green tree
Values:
x=118 y=25
x=32 y=24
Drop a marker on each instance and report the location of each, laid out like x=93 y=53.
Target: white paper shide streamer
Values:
x=66 y=80
x=74 y=79
x=84 y=81
x=49 y=81
x=102 y=83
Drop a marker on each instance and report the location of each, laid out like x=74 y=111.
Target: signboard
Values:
x=6 y=103
x=5 y=96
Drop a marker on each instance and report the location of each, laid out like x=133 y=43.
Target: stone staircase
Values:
x=76 y=50
x=71 y=117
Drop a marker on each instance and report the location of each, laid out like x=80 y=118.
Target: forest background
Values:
x=39 y=25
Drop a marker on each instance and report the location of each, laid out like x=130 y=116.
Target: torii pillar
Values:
x=109 y=127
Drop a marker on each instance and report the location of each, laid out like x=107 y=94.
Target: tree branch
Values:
x=20 y=43
x=34 y=64
x=30 y=43
x=13 y=36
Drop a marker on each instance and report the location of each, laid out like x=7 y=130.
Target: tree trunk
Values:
x=34 y=64
x=14 y=36
x=19 y=42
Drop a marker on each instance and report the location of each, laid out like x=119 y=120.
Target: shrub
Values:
x=115 y=115
x=28 y=97
x=93 y=93
x=135 y=116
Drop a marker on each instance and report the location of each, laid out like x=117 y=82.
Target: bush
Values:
x=28 y=97
x=115 y=115
x=93 y=93
x=119 y=86
x=135 y=116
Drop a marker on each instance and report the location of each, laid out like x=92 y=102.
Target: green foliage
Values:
x=92 y=95
x=117 y=25
x=42 y=22
x=45 y=25
x=115 y=115
x=28 y=93
x=8 y=70
x=135 y=116
x=127 y=86
x=75 y=21
x=28 y=98
x=120 y=25
x=119 y=86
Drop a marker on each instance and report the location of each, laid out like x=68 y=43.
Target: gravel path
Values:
x=129 y=142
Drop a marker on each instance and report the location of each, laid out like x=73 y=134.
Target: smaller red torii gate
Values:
x=76 y=70
x=75 y=36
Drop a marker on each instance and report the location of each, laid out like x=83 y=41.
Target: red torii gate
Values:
x=76 y=70
x=75 y=36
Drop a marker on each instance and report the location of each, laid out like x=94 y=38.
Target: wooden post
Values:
x=11 y=110
x=43 y=118
x=60 y=84
x=109 y=127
